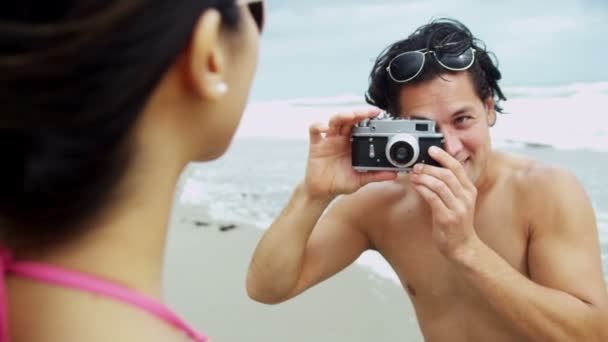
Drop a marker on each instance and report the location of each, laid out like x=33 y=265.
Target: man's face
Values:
x=451 y=101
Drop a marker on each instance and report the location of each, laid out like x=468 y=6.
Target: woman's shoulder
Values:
x=72 y=315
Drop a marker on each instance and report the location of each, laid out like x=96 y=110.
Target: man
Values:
x=490 y=246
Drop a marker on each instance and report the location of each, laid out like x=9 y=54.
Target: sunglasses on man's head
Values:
x=406 y=66
x=256 y=8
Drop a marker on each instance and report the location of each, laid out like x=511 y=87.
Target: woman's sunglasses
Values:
x=406 y=66
x=256 y=7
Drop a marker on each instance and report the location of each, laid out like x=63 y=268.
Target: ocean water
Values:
x=326 y=48
x=564 y=126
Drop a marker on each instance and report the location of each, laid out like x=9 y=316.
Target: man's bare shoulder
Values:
x=533 y=177
x=540 y=186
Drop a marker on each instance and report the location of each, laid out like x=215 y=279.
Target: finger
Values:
x=347 y=129
x=450 y=163
x=337 y=121
x=358 y=116
x=430 y=197
x=443 y=174
x=438 y=187
x=364 y=114
x=367 y=113
x=316 y=132
x=343 y=123
x=376 y=176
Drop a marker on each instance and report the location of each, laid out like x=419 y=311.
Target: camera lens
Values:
x=401 y=152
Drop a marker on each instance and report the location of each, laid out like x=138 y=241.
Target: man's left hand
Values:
x=451 y=196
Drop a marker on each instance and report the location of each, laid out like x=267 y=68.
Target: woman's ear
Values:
x=205 y=62
x=490 y=108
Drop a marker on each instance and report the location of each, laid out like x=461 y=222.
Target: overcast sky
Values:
x=326 y=47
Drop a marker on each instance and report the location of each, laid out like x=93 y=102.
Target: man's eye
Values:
x=462 y=119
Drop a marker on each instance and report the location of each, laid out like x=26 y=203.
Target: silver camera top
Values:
x=384 y=124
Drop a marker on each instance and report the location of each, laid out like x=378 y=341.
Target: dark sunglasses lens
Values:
x=257 y=11
x=406 y=65
x=456 y=61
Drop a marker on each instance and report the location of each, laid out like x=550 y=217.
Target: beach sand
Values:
x=206 y=266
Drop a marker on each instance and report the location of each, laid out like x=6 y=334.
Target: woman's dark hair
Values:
x=74 y=75
x=384 y=93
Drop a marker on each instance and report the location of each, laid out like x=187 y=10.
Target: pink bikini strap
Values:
x=5 y=259
x=58 y=276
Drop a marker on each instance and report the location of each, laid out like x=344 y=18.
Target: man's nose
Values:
x=452 y=144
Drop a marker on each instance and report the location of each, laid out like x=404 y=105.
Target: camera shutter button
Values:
x=363 y=123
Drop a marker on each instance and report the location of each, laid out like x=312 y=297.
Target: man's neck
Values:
x=489 y=174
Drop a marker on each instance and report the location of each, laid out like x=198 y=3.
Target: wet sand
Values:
x=205 y=282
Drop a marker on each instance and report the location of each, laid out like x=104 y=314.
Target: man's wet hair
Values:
x=453 y=37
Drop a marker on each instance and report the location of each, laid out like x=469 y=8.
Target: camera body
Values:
x=387 y=144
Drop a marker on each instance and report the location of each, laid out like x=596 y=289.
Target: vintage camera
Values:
x=384 y=143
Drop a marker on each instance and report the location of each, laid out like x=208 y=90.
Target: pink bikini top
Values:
x=71 y=279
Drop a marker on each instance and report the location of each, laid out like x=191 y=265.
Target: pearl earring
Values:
x=222 y=88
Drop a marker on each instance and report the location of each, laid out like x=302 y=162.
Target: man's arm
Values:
x=301 y=248
x=566 y=298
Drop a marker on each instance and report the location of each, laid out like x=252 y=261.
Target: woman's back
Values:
x=42 y=313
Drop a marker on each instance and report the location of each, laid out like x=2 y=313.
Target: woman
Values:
x=103 y=104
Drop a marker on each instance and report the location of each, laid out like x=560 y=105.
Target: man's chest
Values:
x=409 y=247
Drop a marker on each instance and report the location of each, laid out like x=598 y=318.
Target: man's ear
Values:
x=205 y=60
x=490 y=108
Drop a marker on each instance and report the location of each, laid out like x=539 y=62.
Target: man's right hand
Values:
x=329 y=170
x=301 y=248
